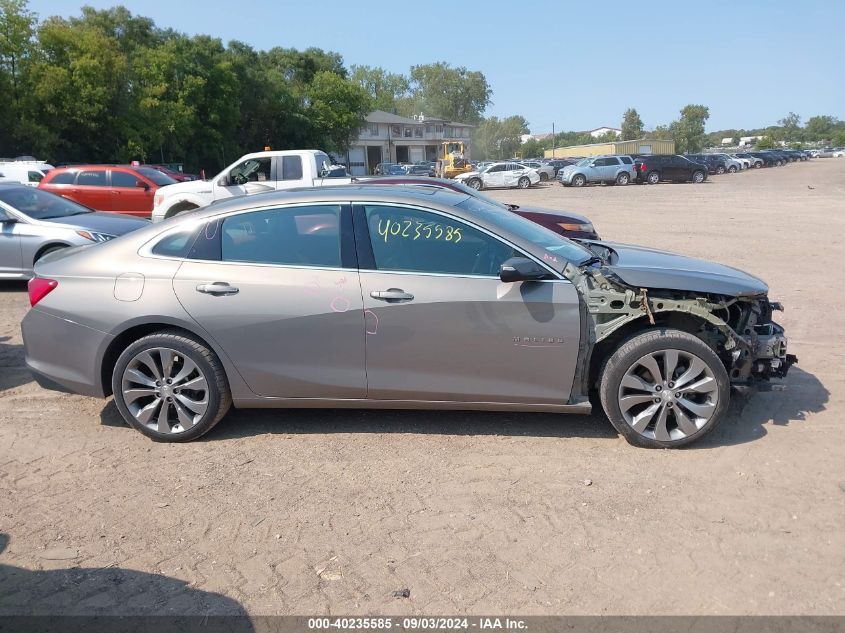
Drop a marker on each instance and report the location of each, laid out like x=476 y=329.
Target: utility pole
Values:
x=553 y=140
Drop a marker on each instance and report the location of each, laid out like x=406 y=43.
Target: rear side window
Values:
x=63 y=178
x=92 y=178
x=626 y=159
x=176 y=244
x=291 y=168
x=34 y=176
x=295 y=236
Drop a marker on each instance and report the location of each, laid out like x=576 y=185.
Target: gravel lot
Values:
x=298 y=512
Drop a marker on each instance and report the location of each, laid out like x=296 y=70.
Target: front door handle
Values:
x=217 y=288
x=392 y=295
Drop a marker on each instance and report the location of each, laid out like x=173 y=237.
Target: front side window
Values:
x=295 y=236
x=602 y=162
x=123 y=179
x=92 y=178
x=63 y=178
x=251 y=170
x=413 y=240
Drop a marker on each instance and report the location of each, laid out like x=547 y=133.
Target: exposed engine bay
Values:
x=739 y=328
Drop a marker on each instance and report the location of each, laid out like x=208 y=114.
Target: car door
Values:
x=495 y=176
x=441 y=326
x=253 y=175
x=131 y=193
x=11 y=261
x=92 y=190
x=278 y=290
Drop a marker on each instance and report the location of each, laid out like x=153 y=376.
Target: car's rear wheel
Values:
x=623 y=178
x=524 y=182
x=664 y=388
x=578 y=180
x=758 y=165
x=543 y=176
x=653 y=178
x=698 y=177
x=170 y=387
x=475 y=183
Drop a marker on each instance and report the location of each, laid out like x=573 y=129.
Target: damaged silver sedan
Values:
x=377 y=297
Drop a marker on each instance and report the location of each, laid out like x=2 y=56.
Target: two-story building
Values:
x=390 y=138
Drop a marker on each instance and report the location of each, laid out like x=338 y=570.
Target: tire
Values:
x=698 y=177
x=475 y=183
x=524 y=182
x=578 y=180
x=191 y=363
x=544 y=177
x=732 y=169
x=653 y=178
x=623 y=178
x=50 y=249
x=655 y=415
x=758 y=165
x=720 y=170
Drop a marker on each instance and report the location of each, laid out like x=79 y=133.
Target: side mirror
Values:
x=141 y=184
x=7 y=219
x=521 y=269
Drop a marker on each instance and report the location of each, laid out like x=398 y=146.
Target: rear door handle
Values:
x=217 y=288
x=392 y=295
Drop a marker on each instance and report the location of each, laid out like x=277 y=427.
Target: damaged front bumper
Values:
x=767 y=356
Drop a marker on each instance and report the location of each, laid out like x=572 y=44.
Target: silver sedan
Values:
x=34 y=223
x=395 y=297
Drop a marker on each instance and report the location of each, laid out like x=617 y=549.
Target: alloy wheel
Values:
x=165 y=390
x=668 y=395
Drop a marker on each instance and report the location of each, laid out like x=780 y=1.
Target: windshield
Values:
x=40 y=205
x=156 y=176
x=561 y=250
x=583 y=162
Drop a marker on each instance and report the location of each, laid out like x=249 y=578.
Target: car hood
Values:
x=467 y=174
x=189 y=186
x=648 y=268
x=555 y=213
x=110 y=223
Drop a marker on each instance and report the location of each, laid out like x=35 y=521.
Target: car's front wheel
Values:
x=543 y=176
x=720 y=170
x=170 y=387
x=664 y=388
x=732 y=169
x=698 y=177
x=578 y=180
x=475 y=183
x=524 y=182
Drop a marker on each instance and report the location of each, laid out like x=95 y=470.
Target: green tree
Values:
x=632 y=125
x=386 y=89
x=337 y=108
x=767 y=142
x=688 y=131
x=820 y=128
x=455 y=94
x=838 y=138
x=790 y=124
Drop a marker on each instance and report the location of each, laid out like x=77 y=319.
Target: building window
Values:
x=429 y=129
x=396 y=130
x=418 y=132
x=439 y=129
x=373 y=129
x=408 y=132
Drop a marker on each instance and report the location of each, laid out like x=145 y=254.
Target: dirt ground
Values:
x=327 y=512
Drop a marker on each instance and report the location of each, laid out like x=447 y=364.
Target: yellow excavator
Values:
x=452 y=162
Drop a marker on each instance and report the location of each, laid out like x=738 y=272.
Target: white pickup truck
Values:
x=253 y=173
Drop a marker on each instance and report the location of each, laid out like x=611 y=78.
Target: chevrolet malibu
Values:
x=383 y=297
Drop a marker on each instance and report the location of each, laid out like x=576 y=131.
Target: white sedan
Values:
x=501 y=175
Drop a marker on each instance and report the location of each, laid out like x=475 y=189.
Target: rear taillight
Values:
x=643 y=166
x=39 y=287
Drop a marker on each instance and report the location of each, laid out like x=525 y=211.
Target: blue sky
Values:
x=577 y=64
